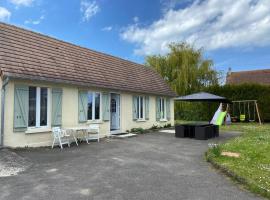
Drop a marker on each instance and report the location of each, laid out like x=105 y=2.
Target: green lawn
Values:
x=253 y=165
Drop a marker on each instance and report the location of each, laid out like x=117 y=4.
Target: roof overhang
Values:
x=14 y=76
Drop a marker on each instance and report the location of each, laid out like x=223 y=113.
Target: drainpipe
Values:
x=3 y=97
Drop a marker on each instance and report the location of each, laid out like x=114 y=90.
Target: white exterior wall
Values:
x=43 y=137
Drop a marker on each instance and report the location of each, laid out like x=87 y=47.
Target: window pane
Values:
x=32 y=106
x=138 y=107
x=141 y=108
x=113 y=106
x=161 y=106
x=97 y=106
x=90 y=104
x=43 y=106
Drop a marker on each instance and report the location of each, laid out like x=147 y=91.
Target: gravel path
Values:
x=11 y=163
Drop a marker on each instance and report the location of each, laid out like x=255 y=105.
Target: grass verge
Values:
x=252 y=168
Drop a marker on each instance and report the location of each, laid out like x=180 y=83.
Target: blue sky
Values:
x=233 y=33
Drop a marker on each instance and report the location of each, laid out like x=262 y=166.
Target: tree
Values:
x=184 y=68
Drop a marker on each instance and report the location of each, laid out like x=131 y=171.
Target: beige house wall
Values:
x=127 y=121
x=43 y=136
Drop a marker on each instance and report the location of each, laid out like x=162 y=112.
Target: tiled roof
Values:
x=255 y=76
x=29 y=55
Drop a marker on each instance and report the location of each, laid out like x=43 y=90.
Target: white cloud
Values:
x=212 y=24
x=35 y=22
x=22 y=2
x=4 y=14
x=89 y=9
x=171 y=4
x=135 y=19
x=107 y=28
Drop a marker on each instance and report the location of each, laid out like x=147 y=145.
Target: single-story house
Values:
x=253 y=76
x=47 y=82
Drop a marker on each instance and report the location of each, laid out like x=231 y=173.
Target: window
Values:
x=38 y=107
x=162 y=108
x=140 y=107
x=113 y=106
x=93 y=112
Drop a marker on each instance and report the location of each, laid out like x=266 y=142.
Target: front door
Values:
x=115 y=112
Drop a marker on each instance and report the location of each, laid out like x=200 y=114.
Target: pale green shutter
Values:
x=82 y=98
x=134 y=107
x=158 y=108
x=57 y=106
x=21 y=105
x=105 y=106
x=168 y=108
x=147 y=107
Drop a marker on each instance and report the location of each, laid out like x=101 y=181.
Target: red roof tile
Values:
x=254 y=76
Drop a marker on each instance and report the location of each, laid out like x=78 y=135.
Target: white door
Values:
x=115 y=112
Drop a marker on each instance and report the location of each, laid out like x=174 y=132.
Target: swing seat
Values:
x=235 y=119
x=242 y=118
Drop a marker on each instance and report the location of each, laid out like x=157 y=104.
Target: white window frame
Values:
x=37 y=126
x=139 y=106
x=163 y=109
x=93 y=105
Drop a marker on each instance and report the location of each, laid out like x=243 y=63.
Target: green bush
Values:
x=154 y=127
x=199 y=111
x=167 y=125
x=138 y=130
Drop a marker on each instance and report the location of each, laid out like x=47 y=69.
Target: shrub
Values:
x=138 y=130
x=199 y=111
x=154 y=127
x=167 y=125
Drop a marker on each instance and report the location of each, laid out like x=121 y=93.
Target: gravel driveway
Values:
x=152 y=166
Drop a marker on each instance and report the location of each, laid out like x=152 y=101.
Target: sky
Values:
x=233 y=34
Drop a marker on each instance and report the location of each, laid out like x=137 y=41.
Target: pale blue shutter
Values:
x=147 y=107
x=168 y=109
x=158 y=108
x=105 y=106
x=21 y=107
x=134 y=107
x=82 y=98
x=57 y=106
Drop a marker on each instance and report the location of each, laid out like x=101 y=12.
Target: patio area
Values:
x=150 y=166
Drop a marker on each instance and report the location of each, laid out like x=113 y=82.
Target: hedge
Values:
x=199 y=111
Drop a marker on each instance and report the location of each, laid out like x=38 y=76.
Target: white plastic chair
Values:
x=92 y=133
x=60 y=137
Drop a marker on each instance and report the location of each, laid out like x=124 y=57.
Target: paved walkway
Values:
x=153 y=166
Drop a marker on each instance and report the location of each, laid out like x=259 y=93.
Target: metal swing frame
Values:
x=248 y=102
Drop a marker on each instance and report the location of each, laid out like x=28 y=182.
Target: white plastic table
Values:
x=74 y=131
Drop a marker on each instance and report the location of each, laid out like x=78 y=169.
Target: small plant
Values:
x=138 y=130
x=167 y=125
x=215 y=149
x=154 y=127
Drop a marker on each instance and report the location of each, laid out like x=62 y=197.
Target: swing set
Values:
x=245 y=111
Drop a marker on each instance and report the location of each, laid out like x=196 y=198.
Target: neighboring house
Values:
x=47 y=82
x=253 y=76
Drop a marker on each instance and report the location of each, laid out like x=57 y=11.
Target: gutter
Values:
x=3 y=97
